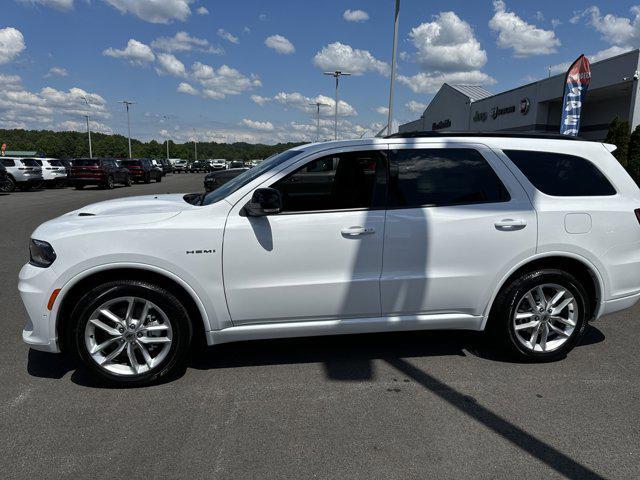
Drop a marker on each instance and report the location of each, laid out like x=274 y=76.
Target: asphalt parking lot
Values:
x=416 y=405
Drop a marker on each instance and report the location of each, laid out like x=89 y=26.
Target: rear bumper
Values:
x=87 y=180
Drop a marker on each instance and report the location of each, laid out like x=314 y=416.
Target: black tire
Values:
x=501 y=327
x=109 y=184
x=127 y=181
x=180 y=324
x=7 y=185
x=159 y=178
x=147 y=178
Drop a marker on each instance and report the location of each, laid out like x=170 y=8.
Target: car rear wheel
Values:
x=147 y=178
x=130 y=332
x=127 y=181
x=109 y=184
x=540 y=315
x=159 y=178
x=7 y=185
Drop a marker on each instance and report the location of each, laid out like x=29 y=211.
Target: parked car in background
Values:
x=217 y=164
x=255 y=162
x=142 y=170
x=165 y=164
x=215 y=180
x=3 y=178
x=104 y=172
x=22 y=173
x=236 y=164
x=54 y=172
x=197 y=166
x=179 y=166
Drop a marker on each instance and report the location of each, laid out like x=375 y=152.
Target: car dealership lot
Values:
x=414 y=405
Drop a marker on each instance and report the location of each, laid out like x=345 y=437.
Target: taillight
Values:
x=637 y=212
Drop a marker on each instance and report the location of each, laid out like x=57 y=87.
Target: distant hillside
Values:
x=75 y=144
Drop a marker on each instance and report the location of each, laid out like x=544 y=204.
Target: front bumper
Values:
x=35 y=286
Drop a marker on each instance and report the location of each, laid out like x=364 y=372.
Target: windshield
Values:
x=248 y=176
x=86 y=163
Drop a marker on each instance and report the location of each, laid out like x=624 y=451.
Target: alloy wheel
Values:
x=128 y=336
x=545 y=318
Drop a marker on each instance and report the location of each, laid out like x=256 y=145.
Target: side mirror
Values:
x=265 y=201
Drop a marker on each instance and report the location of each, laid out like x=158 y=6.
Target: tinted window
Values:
x=131 y=163
x=7 y=162
x=56 y=163
x=30 y=162
x=438 y=177
x=561 y=175
x=86 y=163
x=335 y=182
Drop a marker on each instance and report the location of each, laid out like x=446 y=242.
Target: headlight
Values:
x=41 y=253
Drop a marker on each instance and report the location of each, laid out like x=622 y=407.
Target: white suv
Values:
x=23 y=173
x=525 y=237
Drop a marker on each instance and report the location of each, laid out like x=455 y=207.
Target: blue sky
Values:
x=246 y=70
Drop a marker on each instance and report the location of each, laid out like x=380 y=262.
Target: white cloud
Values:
x=154 y=11
x=260 y=100
x=382 y=110
x=183 y=42
x=136 y=52
x=355 y=16
x=621 y=31
x=447 y=44
x=222 y=33
x=186 y=88
x=80 y=126
x=304 y=104
x=525 y=39
x=280 y=44
x=57 y=4
x=11 y=44
x=264 y=126
x=596 y=57
x=338 y=56
x=57 y=72
x=202 y=11
x=217 y=84
x=447 y=51
x=168 y=63
x=429 y=83
x=415 y=107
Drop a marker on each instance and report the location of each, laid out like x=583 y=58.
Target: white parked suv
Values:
x=526 y=237
x=22 y=173
x=54 y=172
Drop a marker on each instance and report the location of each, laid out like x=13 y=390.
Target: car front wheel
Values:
x=130 y=332
x=540 y=315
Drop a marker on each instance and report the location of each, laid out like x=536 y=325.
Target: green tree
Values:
x=633 y=155
x=618 y=135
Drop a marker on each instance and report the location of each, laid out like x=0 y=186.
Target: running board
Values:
x=448 y=321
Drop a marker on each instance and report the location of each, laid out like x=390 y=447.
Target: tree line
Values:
x=628 y=143
x=76 y=145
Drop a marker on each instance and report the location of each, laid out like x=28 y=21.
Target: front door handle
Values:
x=354 y=231
x=509 y=224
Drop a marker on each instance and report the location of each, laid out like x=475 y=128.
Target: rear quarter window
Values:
x=561 y=175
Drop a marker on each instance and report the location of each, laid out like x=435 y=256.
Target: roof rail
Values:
x=444 y=133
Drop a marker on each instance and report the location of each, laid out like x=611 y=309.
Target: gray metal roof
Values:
x=474 y=92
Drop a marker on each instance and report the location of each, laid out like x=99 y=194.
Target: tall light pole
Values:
x=336 y=74
x=393 y=67
x=126 y=104
x=195 y=146
x=164 y=117
x=88 y=129
x=318 y=105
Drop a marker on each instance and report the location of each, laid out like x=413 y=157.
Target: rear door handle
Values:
x=353 y=231
x=509 y=224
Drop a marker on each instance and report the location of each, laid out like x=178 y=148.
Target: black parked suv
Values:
x=198 y=166
x=216 y=179
x=105 y=172
x=142 y=170
x=165 y=164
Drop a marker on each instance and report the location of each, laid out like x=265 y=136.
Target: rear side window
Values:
x=561 y=175
x=30 y=162
x=440 y=177
x=7 y=162
x=56 y=163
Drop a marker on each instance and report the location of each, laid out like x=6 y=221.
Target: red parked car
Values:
x=105 y=172
x=142 y=170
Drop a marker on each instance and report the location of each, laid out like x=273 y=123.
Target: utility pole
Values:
x=393 y=67
x=336 y=74
x=88 y=129
x=318 y=105
x=167 y=118
x=126 y=104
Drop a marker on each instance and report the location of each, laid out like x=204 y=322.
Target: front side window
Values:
x=441 y=177
x=342 y=181
x=561 y=175
x=30 y=162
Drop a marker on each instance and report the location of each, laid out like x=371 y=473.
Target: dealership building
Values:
x=537 y=106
